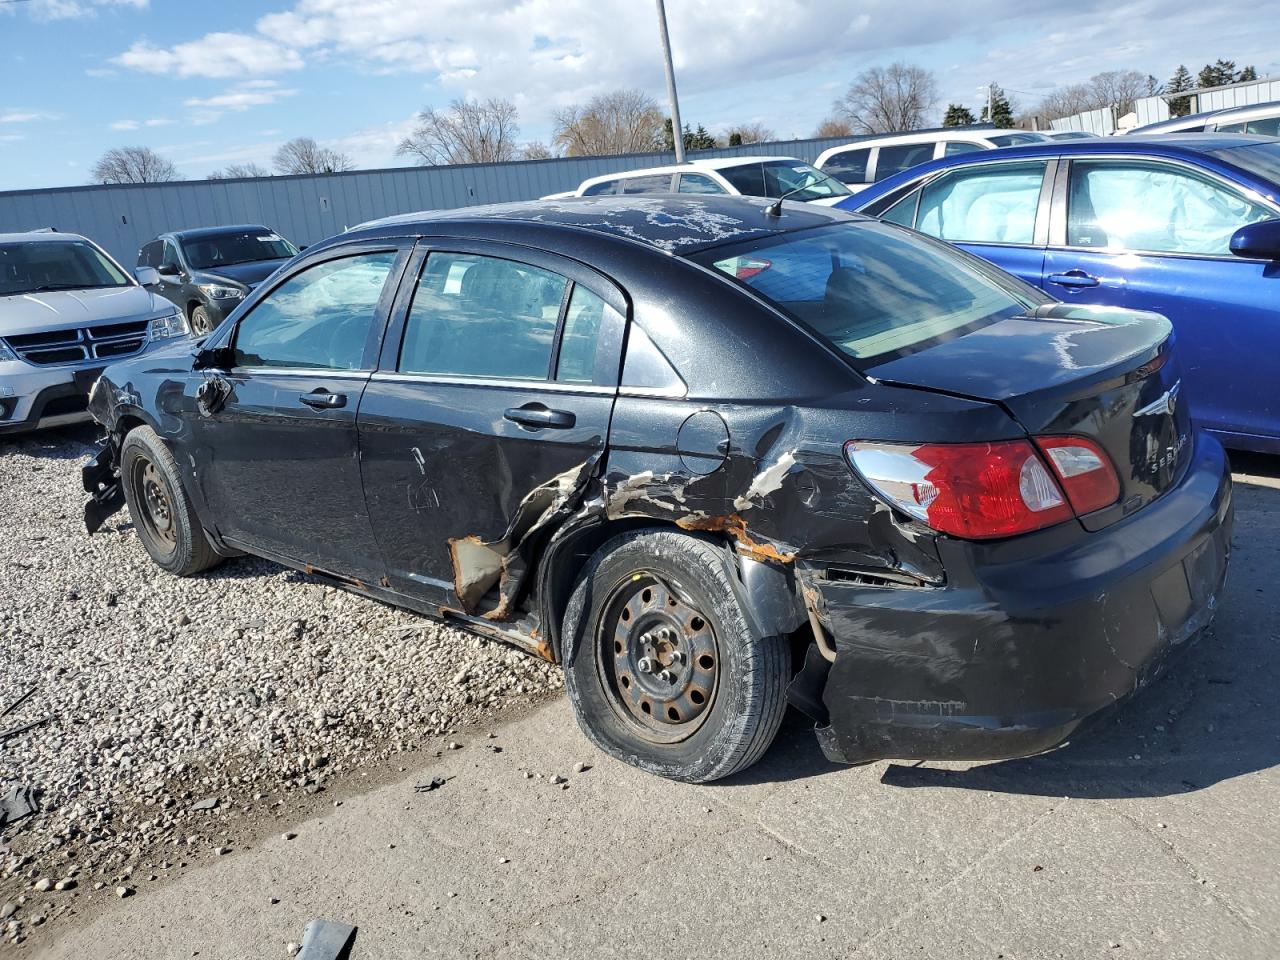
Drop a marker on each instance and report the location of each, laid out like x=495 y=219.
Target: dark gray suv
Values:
x=207 y=272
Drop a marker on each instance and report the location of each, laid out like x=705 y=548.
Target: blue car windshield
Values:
x=1260 y=159
x=872 y=290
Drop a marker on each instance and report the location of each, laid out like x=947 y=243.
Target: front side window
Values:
x=169 y=256
x=848 y=166
x=870 y=289
x=1153 y=207
x=993 y=203
x=149 y=255
x=1268 y=127
x=317 y=319
x=477 y=316
x=228 y=249
x=799 y=181
x=698 y=183
x=901 y=157
x=46 y=265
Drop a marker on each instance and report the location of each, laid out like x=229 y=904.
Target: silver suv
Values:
x=67 y=309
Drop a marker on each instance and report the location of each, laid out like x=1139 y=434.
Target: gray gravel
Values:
x=182 y=708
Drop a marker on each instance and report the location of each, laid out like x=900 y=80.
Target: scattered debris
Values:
x=19 y=802
x=327 y=940
x=454 y=745
x=435 y=783
x=123 y=892
x=581 y=767
x=557 y=779
x=208 y=803
x=67 y=884
x=288 y=835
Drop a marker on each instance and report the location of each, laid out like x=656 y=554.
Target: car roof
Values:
x=691 y=166
x=672 y=224
x=1247 y=112
x=929 y=136
x=198 y=233
x=37 y=236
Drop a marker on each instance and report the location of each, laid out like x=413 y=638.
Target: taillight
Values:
x=974 y=490
x=1084 y=470
x=744 y=268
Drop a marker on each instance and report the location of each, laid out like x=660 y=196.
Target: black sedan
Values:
x=681 y=445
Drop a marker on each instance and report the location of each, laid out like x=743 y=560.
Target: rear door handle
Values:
x=1073 y=278
x=324 y=400
x=536 y=415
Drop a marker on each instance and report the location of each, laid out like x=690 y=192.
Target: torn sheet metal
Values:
x=327 y=940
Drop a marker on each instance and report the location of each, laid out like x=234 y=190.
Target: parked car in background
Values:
x=858 y=165
x=207 y=272
x=1258 y=118
x=67 y=309
x=770 y=177
x=1182 y=225
x=1068 y=134
x=655 y=439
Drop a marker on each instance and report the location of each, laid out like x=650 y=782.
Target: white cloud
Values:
x=75 y=9
x=241 y=97
x=24 y=116
x=125 y=125
x=136 y=124
x=216 y=55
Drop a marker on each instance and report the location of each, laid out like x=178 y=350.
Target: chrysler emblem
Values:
x=1165 y=403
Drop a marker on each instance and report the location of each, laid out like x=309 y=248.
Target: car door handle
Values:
x=1073 y=278
x=324 y=400
x=536 y=415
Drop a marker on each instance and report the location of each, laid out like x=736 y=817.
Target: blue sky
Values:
x=208 y=84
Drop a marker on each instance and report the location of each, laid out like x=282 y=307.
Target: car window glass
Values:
x=1268 y=127
x=580 y=336
x=42 y=265
x=228 y=249
x=1231 y=127
x=747 y=179
x=657 y=183
x=476 y=316
x=149 y=255
x=799 y=181
x=848 y=166
x=608 y=187
x=319 y=318
x=903 y=156
x=984 y=204
x=698 y=183
x=956 y=147
x=1131 y=205
x=904 y=211
x=170 y=255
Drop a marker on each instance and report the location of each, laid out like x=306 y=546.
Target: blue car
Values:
x=1188 y=226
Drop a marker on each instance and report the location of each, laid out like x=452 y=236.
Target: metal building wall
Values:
x=307 y=209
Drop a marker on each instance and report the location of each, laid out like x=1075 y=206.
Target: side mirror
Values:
x=147 y=276
x=1257 y=241
x=167 y=270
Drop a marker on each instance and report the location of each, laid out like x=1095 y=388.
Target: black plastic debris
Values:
x=434 y=784
x=19 y=802
x=327 y=940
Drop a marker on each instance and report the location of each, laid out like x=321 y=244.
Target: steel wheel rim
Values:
x=658 y=658
x=155 y=499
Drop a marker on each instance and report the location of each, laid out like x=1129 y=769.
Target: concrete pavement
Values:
x=1156 y=836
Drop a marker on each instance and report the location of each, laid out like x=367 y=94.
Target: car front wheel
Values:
x=161 y=510
x=662 y=666
x=201 y=323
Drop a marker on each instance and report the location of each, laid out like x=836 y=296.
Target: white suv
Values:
x=737 y=176
x=858 y=165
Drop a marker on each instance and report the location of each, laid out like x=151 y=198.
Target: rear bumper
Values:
x=34 y=399
x=1030 y=637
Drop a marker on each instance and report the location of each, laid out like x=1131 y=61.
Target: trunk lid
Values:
x=1106 y=374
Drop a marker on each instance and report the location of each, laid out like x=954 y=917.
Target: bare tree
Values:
x=536 y=150
x=470 y=131
x=888 y=99
x=236 y=171
x=749 y=133
x=304 y=155
x=622 y=121
x=1114 y=88
x=133 y=165
x=834 y=127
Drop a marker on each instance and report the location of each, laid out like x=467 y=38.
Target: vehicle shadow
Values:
x=57 y=443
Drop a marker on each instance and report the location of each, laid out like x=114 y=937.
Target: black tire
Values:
x=201 y=323
x=609 y=620
x=161 y=510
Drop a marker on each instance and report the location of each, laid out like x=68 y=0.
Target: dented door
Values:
x=487 y=419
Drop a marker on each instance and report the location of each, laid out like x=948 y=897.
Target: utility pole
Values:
x=677 y=131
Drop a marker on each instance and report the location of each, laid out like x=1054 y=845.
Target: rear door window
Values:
x=607 y=188
x=954 y=148
x=656 y=183
x=698 y=183
x=1268 y=127
x=988 y=203
x=848 y=166
x=747 y=179
x=902 y=156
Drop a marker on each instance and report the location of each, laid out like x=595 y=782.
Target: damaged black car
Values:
x=712 y=455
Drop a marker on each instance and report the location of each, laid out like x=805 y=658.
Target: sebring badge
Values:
x=1165 y=403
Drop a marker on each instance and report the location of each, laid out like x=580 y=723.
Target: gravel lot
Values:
x=185 y=713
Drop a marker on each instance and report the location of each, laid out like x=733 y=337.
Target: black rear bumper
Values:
x=102 y=482
x=1029 y=638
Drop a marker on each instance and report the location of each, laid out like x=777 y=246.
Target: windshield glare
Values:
x=224 y=250
x=871 y=289
x=776 y=178
x=35 y=266
x=1018 y=139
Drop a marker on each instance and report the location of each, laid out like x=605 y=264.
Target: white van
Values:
x=860 y=164
x=736 y=176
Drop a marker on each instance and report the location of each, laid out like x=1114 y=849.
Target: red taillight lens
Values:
x=1084 y=470
x=974 y=490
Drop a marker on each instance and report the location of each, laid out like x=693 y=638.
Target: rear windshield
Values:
x=1260 y=159
x=873 y=290
x=34 y=267
x=778 y=178
x=224 y=250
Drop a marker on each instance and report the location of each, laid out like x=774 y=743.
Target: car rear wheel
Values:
x=201 y=323
x=161 y=510
x=662 y=666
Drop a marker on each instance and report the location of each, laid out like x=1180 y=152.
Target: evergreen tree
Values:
x=1180 y=82
x=1248 y=73
x=958 y=116
x=1001 y=109
x=698 y=139
x=1217 y=74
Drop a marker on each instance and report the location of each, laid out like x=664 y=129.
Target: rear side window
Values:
x=698 y=183
x=317 y=319
x=984 y=204
x=869 y=288
x=1270 y=127
x=584 y=322
x=901 y=157
x=848 y=166
x=477 y=316
x=957 y=147
x=657 y=183
x=606 y=188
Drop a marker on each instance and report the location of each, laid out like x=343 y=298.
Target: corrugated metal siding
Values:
x=307 y=209
x=1102 y=122
x=1155 y=109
